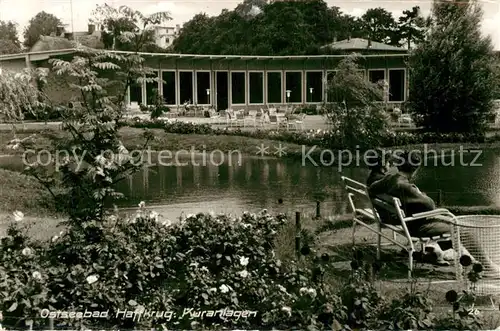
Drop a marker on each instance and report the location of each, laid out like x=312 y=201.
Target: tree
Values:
x=196 y=36
x=412 y=27
x=248 y=8
x=8 y=47
x=452 y=72
x=280 y=28
x=17 y=95
x=124 y=22
x=42 y=24
x=9 y=41
x=379 y=25
x=352 y=108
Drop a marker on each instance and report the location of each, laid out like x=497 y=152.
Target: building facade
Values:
x=165 y=35
x=231 y=81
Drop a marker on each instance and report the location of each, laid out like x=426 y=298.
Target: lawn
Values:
x=133 y=139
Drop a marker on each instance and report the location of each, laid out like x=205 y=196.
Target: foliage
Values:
x=464 y=316
x=126 y=29
x=204 y=262
x=94 y=157
x=320 y=138
x=281 y=28
x=18 y=95
x=289 y=28
x=379 y=25
x=9 y=41
x=413 y=27
x=354 y=109
x=42 y=24
x=8 y=47
x=158 y=108
x=309 y=110
x=22 y=290
x=451 y=82
x=359 y=295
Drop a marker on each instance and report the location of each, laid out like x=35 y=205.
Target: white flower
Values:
x=243 y=273
x=287 y=310
x=224 y=288
x=282 y=288
x=166 y=223
x=54 y=238
x=154 y=215
x=99 y=159
x=205 y=269
x=99 y=171
x=212 y=290
x=303 y=290
x=18 y=216
x=244 y=261
x=142 y=204
x=26 y=251
x=194 y=264
x=92 y=279
x=37 y=275
x=312 y=292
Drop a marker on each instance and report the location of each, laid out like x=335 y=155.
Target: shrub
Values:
x=204 y=262
x=353 y=109
x=309 y=110
x=321 y=138
x=23 y=293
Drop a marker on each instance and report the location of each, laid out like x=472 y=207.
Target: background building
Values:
x=165 y=35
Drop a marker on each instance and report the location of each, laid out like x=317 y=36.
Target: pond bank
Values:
x=133 y=139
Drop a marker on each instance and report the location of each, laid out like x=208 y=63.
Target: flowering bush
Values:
x=22 y=290
x=144 y=263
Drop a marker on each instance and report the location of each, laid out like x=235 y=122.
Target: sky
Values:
x=78 y=13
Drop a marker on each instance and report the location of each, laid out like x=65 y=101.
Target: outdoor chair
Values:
x=173 y=113
x=214 y=116
x=273 y=121
x=231 y=118
x=300 y=121
x=259 y=119
x=251 y=118
x=240 y=118
x=479 y=235
x=357 y=193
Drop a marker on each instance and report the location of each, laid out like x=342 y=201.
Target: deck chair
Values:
x=358 y=192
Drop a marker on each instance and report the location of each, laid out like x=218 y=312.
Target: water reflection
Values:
x=259 y=183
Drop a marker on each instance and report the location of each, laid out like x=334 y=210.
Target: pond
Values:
x=261 y=182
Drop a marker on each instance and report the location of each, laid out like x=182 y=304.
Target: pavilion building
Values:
x=242 y=82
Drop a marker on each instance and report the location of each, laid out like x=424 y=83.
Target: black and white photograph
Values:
x=249 y=165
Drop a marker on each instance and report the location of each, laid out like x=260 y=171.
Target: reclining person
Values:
x=379 y=165
x=414 y=201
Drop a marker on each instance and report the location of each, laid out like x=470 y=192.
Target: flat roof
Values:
x=40 y=55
